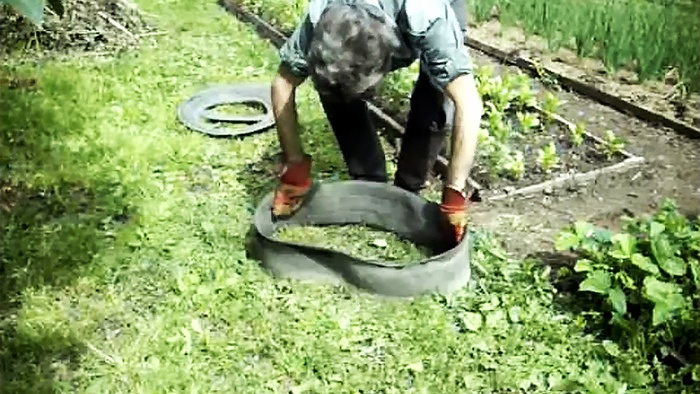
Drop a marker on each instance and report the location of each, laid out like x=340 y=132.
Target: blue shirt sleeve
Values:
x=434 y=30
x=293 y=52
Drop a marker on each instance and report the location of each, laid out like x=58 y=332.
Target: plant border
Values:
x=396 y=130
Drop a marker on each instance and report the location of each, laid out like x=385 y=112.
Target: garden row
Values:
x=641 y=285
x=649 y=37
x=522 y=140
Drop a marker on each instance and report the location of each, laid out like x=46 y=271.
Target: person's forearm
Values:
x=468 y=111
x=285 y=112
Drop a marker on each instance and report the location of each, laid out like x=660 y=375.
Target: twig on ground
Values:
x=117 y=25
x=153 y=33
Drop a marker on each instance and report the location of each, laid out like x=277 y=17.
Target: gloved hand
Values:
x=293 y=187
x=454 y=209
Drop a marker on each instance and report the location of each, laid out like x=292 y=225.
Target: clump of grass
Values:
x=357 y=240
x=649 y=37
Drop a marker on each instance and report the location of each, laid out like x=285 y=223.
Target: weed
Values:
x=648 y=276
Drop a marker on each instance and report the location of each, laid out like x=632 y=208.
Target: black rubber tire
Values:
x=377 y=205
x=194 y=112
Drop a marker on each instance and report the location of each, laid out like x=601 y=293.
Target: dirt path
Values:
x=672 y=169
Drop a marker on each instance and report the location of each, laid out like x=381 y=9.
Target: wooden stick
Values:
x=117 y=24
x=579 y=178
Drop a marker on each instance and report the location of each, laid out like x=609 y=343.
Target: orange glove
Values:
x=454 y=209
x=294 y=184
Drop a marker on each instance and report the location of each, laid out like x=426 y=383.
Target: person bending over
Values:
x=346 y=47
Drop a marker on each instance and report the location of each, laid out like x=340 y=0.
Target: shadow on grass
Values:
x=55 y=219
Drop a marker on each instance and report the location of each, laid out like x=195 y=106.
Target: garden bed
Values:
x=524 y=145
x=522 y=140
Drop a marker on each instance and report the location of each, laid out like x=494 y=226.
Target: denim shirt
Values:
x=430 y=32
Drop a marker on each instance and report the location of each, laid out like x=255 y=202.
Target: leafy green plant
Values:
x=497 y=123
x=528 y=120
x=614 y=144
x=523 y=97
x=648 y=276
x=547 y=157
x=577 y=133
x=514 y=164
x=550 y=105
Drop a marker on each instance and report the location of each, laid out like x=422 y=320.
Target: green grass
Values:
x=124 y=271
x=358 y=241
x=648 y=37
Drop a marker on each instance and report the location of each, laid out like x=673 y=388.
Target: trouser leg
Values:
x=357 y=139
x=429 y=121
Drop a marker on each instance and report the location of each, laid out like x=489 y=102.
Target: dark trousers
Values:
x=425 y=133
x=429 y=121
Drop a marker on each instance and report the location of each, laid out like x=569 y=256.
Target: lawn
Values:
x=124 y=268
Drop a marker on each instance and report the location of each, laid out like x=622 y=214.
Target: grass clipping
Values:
x=359 y=241
x=84 y=26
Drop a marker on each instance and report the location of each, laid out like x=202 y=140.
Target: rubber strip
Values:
x=377 y=205
x=196 y=114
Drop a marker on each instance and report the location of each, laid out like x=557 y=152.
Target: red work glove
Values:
x=294 y=184
x=454 y=209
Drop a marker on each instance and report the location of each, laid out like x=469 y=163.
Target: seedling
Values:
x=577 y=133
x=497 y=124
x=528 y=120
x=550 y=105
x=514 y=165
x=547 y=157
x=614 y=144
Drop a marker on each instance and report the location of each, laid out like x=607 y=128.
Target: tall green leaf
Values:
x=618 y=300
x=655 y=229
x=566 y=241
x=623 y=246
x=664 y=254
x=644 y=263
x=667 y=299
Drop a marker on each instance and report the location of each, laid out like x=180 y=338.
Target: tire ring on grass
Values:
x=196 y=111
x=376 y=205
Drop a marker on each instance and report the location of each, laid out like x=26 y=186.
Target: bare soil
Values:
x=85 y=26
x=662 y=96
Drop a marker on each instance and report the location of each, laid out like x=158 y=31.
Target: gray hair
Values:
x=350 y=50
